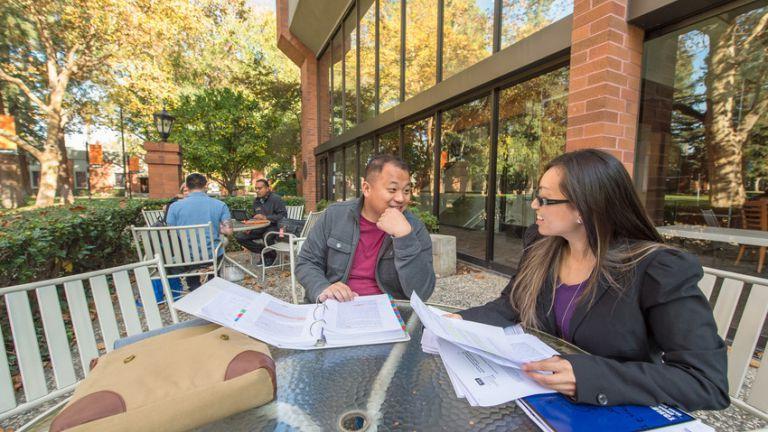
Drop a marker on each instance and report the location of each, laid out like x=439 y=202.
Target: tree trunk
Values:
x=65 y=181
x=724 y=140
x=49 y=171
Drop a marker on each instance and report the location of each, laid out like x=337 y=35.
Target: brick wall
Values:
x=604 y=88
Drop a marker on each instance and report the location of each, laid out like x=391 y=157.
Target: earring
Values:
x=578 y=221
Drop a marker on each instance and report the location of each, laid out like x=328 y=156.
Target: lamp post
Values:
x=164 y=123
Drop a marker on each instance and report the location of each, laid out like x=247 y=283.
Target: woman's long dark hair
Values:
x=619 y=231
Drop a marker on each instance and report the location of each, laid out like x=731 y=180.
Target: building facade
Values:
x=478 y=95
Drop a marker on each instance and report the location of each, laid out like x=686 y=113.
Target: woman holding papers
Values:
x=595 y=272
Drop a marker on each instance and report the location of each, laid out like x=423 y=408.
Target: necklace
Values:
x=570 y=303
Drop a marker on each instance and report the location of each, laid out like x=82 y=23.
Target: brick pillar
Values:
x=604 y=91
x=11 y=186
x=304 y=58
x=164 y=167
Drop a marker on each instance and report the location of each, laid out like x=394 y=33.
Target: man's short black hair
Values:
x=196 y=181
x=263 y=181
x=376 y=164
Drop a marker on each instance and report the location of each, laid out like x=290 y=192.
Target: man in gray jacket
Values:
x=370 y=245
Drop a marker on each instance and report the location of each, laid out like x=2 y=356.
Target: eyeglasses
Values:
x=546 y=201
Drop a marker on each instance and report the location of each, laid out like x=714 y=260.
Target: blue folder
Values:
x=562 y=415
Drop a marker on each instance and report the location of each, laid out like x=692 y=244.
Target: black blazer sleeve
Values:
x=678 y=318
x=499 y=312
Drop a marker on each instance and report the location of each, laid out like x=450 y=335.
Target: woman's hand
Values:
x=561 y=379
x=452 y=315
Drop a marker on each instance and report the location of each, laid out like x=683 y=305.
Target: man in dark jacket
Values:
x=267 y=206
x=370 y=245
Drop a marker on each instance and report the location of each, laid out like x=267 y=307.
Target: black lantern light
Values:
x=163 y=123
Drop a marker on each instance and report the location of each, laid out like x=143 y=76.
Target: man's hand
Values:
x=394 y=223
x=339 y=291
x=259 y=217
x=561 y=379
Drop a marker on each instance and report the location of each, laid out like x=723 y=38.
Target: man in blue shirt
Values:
x=197 y=209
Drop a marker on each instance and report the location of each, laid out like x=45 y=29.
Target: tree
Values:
x=58 y=49
x=733 y=101
x=223 y=133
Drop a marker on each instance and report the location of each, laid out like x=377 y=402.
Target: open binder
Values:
x=364 y=321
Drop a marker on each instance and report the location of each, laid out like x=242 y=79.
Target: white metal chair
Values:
x=295 y=212
x=103 y=290
x=151 y=217
x=747 y=333
x=179 y=246
x=291 y=248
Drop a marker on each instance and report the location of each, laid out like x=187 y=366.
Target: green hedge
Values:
x=50 y=242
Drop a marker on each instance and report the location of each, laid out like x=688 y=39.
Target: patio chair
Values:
x=291 y=248
x=709 y=218
x=295 y=212
x=151 y=217
x=754 y=216
x=745 y=339
x=35 y=309
x=179 y=246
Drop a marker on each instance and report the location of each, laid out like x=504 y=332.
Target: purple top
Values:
x=565 y=304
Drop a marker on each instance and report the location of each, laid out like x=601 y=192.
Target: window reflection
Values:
x=418 y=147
x=367 y=59
x=350 y=171
x=532 y=125
x=465 y=141
x=521 y=18
x=336 y=95
x=703 y=138
x=467 y=33
x=420 y=46
x=350 y=67
x=389 y=143
x=389 y=54
x=337 y=179
x=366 y=153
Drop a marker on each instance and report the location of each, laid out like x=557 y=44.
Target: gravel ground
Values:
x=472 y=286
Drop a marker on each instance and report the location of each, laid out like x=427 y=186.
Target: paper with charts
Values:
x=364 y=321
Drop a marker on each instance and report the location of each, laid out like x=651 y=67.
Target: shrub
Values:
x=51 y=242
x=246 y=202
x=430 y=220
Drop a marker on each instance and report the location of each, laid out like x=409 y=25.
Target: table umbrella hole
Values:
x=354 y=421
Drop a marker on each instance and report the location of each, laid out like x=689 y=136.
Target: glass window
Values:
x=367 y=59
x=324 y=92
x=520 y=19
x=337 y=170
x=350 y=67
x=366 y=153
x=467 y=33
x=418 y=145
x=350 y=171
x=703 y=138
x=81 y=180
x=389 y=142
x=420 y=46
x=389 y=54
x=336 y=93
x=532 y=125
x=322 y=177
x=465 y=140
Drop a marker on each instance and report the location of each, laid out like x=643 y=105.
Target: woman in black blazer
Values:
x=595 y=272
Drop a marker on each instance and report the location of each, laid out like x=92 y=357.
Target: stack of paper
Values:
x=482 y=361
x=363 y=321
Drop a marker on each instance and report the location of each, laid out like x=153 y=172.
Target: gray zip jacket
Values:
x=404 y=264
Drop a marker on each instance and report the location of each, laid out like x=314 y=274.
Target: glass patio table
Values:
x=387 y=387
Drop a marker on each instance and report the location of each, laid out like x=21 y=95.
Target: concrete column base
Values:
x=443 y=254
x=164 y=167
